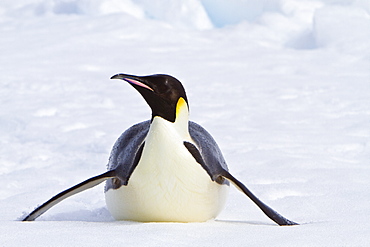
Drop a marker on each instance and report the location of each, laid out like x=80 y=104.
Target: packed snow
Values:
x=282 y=85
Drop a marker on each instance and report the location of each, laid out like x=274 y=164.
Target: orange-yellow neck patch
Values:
x=181 y=106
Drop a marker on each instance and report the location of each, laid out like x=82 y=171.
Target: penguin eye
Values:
x=161 y=88
x=167 y=93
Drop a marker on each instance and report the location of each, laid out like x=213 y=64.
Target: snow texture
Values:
x=282 y=85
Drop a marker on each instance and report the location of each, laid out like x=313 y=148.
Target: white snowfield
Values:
x=282 y=85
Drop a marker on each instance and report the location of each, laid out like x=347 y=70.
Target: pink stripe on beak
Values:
x=140 y=84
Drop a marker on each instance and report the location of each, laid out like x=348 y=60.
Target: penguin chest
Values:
x=167 y=185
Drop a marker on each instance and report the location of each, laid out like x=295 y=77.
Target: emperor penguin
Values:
x=166 y=169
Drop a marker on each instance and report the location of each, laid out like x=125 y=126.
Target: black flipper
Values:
x=272 y=214
x=219 y=175
x=198 y=157
x=87 y=184
x=126 y=154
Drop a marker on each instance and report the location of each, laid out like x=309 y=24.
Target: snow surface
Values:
x=283 y=86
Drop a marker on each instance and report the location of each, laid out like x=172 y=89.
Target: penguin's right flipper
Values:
x=272 y=214
x=87 y=184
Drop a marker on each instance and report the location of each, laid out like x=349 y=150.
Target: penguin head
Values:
x=164 y=94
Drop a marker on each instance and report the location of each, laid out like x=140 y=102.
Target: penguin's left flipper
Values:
x=87 y=184
x=210 y=158
x=272 y=214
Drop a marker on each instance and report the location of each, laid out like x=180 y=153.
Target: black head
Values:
x=161 y=92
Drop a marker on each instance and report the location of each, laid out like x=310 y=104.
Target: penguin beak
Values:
x=161 y=92
x=134 y=80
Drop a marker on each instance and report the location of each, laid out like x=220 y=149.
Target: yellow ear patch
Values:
x=181 y=105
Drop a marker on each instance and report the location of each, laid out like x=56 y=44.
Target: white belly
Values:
x=167 y=185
